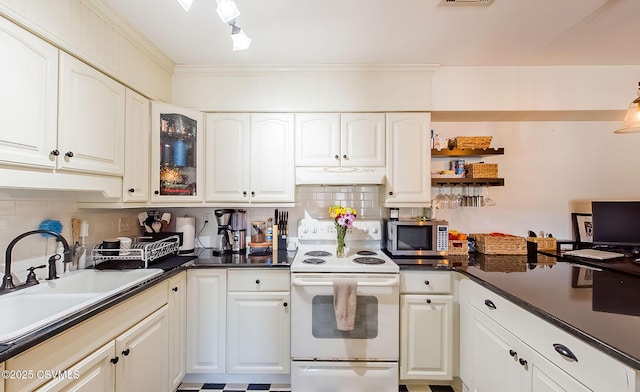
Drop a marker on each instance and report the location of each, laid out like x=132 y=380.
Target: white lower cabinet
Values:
x=177 y=329
x=258 y=318
x=504 y=348
x=131 y=362
x=206 y=315
x=503 y=363
x=426 y=326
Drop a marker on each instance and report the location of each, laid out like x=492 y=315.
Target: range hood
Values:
x=340 y=175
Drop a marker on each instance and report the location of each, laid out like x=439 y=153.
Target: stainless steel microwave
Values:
x=416 y=238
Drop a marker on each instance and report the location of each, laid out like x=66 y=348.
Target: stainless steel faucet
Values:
x=7 y=280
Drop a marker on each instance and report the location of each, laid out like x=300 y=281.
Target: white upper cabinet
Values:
x=29 y=96
x=333 y=139
x=177 y=172
x=91 y=121
x=250 y=158
x=409 y=160
x=135 y=184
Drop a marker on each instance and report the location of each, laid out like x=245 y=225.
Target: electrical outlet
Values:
x=124 y=224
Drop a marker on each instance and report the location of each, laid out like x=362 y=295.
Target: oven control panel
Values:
x=321 y=229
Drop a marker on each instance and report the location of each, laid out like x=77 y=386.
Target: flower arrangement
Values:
x=343 y=218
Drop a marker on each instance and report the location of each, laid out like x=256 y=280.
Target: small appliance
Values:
x=223 y=238
x=416 y=237
x=239 y=231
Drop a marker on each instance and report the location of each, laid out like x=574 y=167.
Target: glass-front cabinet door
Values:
x=177 y=136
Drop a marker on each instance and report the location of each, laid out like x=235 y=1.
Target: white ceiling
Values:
x=509 y=32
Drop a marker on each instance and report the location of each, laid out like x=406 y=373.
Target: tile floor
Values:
x=212 y=387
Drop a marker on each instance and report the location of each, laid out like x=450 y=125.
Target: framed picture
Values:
x=582 y=227
x=581 y=277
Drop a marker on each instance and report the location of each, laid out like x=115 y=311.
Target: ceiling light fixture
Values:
x=186 y=4
x=631 y=122
x=227 y=10
x=240 y=40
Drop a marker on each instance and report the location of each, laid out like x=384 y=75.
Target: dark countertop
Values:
x=597 y=302
x=206 y=259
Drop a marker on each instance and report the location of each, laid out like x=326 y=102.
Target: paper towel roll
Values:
x=187 y=226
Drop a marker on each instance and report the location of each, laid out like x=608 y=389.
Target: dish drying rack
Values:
x=140 y=251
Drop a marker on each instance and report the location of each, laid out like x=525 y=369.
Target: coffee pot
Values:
x=239 y=231
x=223 y=237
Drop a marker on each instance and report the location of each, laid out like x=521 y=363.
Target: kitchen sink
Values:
x=28 y=309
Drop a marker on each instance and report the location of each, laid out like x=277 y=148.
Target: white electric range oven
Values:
x=323 y=357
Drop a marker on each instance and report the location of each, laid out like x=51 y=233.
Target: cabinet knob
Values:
x=55 y=153
x=523 y=362
x=426 y=282
x=513 y=353
x=114 y=360
x=285 y=304
x=390 y=193
x=257 y=281
x=490 y=304
x=244 y=193
x=68 y=154
x=565 y=352
x=156 y=192
x=126 y=352
x=175 y=289
x=428 y=301
x=253 y=193
x=131 y=190
x=337 y=156
x=344 y=156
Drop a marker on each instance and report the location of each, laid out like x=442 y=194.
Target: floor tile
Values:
x=258 y=387
x=441 y=388
x=211 y=386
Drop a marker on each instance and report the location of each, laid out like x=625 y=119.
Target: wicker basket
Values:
x=482 y=170
x=544 y=243
x=470 y=142
x=458 y=247
x=500 y=245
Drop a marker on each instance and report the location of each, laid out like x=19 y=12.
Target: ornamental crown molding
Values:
x=306 y=70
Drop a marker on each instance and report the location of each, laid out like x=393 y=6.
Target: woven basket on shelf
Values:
x=458 y=247
x=482 y=170
x=470 y=142
x=544 y=243
x=500 y=245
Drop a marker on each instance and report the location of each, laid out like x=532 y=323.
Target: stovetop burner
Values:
x=318 y=253
x=368 y=260
x=314 y=260
x=366 y=253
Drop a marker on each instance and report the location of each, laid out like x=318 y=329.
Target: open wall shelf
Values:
x=467 y=152
x=435 y=182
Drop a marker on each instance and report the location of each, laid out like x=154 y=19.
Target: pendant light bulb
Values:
x=631 y=122
x=240 y=40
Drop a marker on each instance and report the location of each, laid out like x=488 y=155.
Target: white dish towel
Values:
x=344 y=302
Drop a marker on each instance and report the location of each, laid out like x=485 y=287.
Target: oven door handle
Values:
x=383 y=283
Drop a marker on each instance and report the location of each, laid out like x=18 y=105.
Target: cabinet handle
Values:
x=285 y=304
x=390 y=193
x=244 y=193
x=257 y=281
x=253 y=193
x=565 y=352
x=175 y=289
x=344 y=156
x=490 y=304
x=68 y=154
x=427 y=282
x=513 y=353
x=523 y=362
x=428 y=301
x=114 y=360
x=131 y=190
x=337 y=156
x=156 y=192
x=55 y=153
x=126 y=352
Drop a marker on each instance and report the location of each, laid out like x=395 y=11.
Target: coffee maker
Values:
x=239 y=231
x=224 y=237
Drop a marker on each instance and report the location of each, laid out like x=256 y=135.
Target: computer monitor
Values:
x=616 y=223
